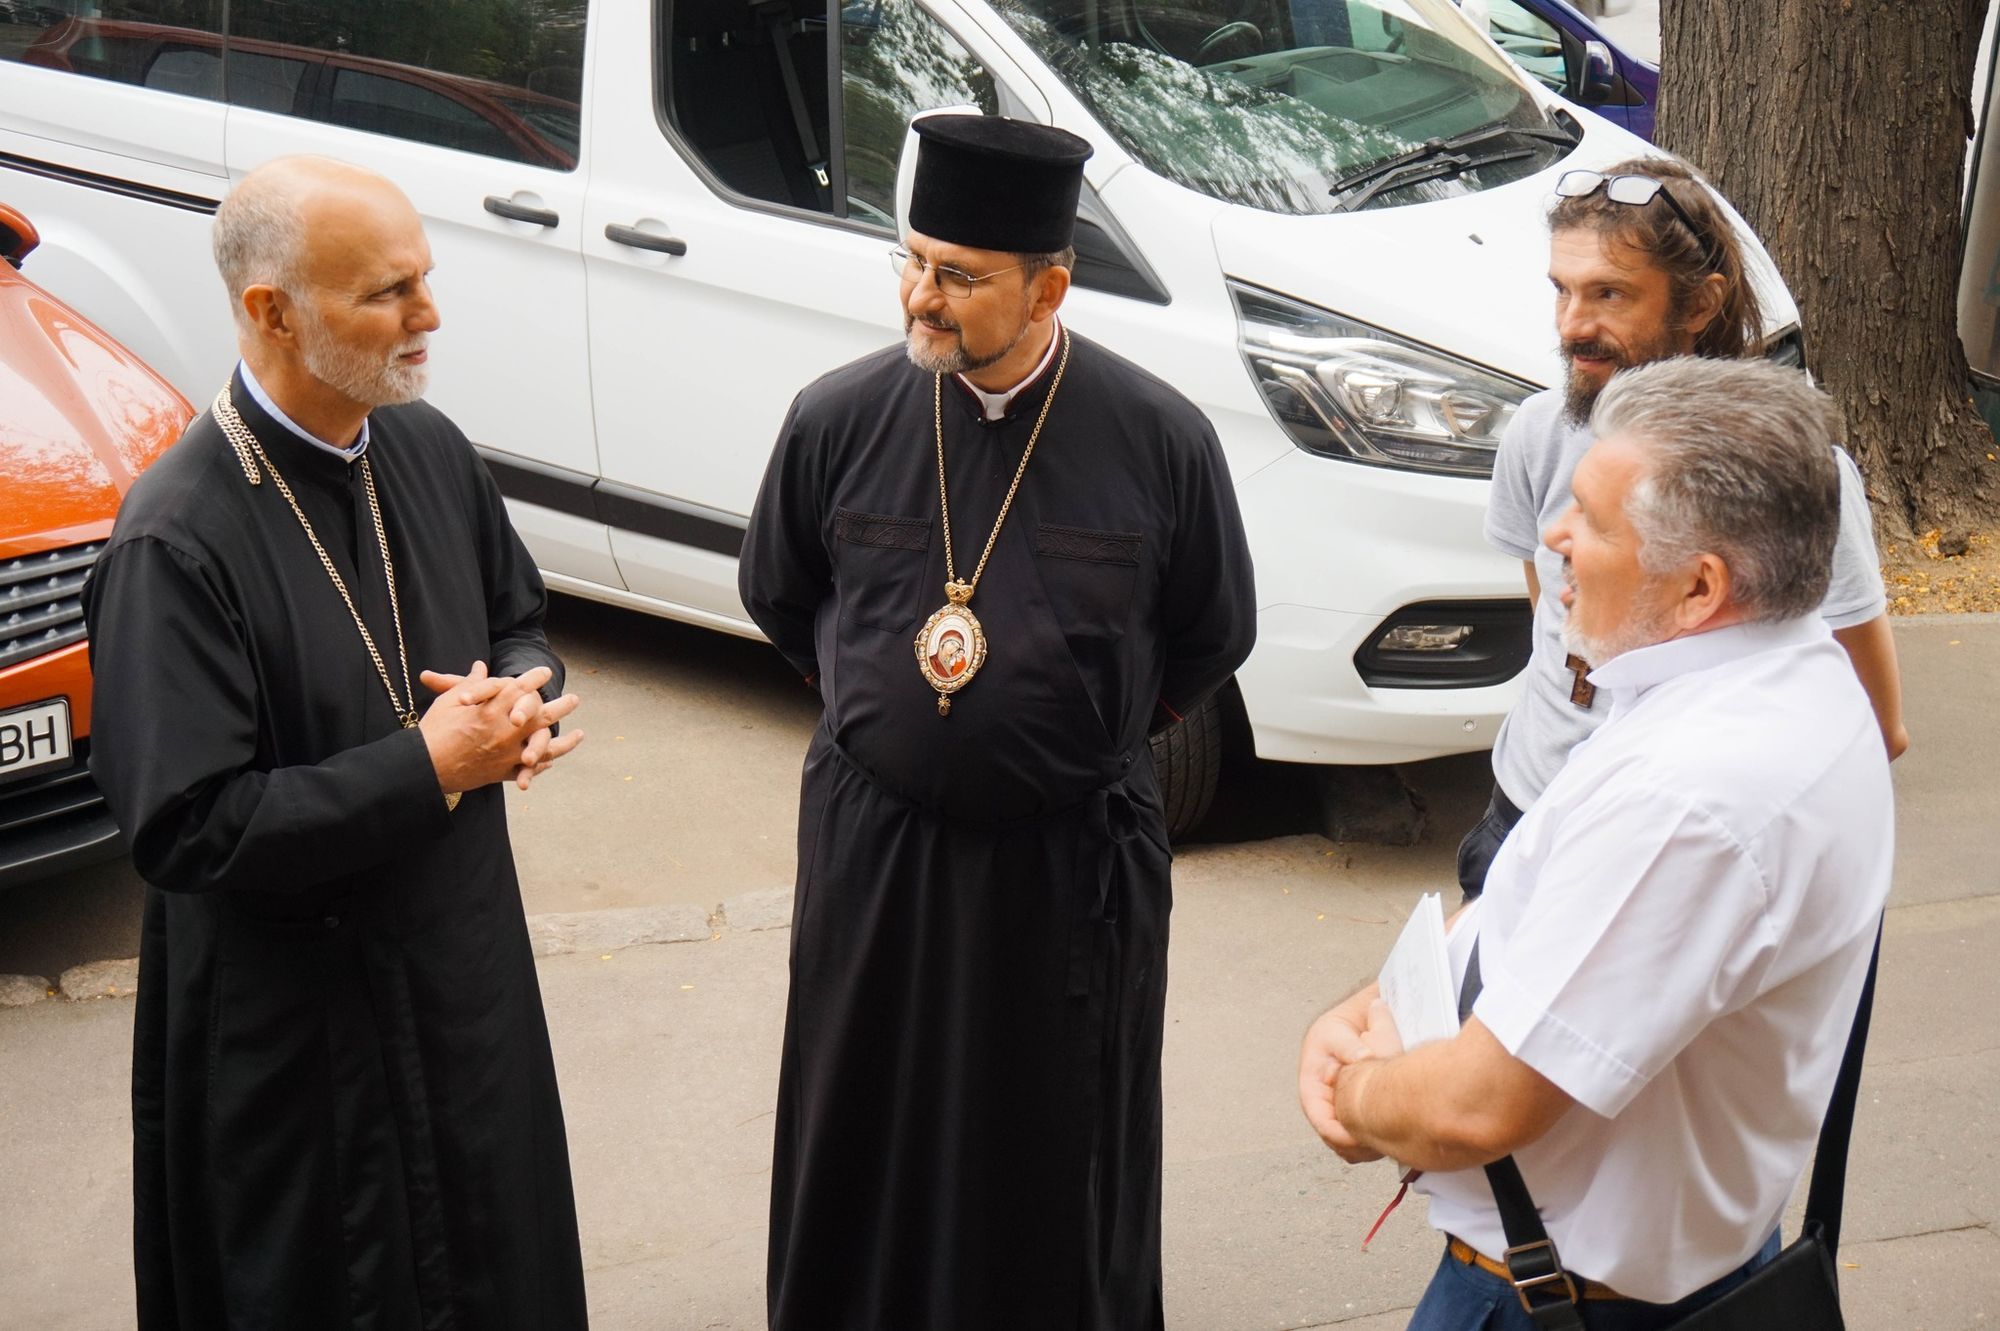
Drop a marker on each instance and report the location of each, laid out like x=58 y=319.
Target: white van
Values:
x=654 y=220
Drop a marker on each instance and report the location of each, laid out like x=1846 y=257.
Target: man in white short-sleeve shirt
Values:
x=1674 y=939
x=1636 y=282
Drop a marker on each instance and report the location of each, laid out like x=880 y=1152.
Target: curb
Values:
x=1934 y=618
x=552 y=935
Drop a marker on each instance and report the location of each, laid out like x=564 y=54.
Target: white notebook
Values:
x=1417 y=978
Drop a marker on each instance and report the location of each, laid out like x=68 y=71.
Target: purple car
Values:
x=1555 y=42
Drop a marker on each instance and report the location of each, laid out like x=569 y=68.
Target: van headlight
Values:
x=1346 y=390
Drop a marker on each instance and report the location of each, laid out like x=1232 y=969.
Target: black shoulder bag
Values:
x=1797 y=1289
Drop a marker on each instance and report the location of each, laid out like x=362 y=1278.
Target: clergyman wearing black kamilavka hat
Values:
x=1003 y=556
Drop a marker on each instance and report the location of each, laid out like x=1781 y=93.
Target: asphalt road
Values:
x=685 y=790
x=667 y=1053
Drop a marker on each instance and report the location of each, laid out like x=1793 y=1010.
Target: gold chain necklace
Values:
x=952 y=645
x=250 y=453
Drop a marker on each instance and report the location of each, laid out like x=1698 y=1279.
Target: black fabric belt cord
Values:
x=1548 y=1293
x=1078 y=807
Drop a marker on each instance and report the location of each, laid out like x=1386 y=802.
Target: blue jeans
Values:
x=1482 y=843
x=1465 y=1298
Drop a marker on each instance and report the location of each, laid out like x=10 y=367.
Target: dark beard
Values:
x=1580 y=394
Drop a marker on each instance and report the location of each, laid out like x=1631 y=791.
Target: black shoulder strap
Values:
x=1829 y=1172
x=1545 y=1289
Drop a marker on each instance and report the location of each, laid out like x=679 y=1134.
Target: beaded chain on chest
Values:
x=251 y=456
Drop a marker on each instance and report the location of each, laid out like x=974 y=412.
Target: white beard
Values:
x=355 y=374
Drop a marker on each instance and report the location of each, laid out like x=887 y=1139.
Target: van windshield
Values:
x=1271 y=103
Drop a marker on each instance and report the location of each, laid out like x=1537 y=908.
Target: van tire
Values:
x=1187 y=757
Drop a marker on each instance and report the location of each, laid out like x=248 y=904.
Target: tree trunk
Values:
x=1838 y=128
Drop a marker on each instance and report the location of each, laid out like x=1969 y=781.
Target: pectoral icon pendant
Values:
x=951 y=646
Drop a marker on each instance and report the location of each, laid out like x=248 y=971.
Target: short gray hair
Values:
x=259 y=240
x=1033 y=263
x=1739 y=465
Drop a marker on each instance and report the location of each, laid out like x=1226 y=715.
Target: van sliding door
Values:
x=740 y=215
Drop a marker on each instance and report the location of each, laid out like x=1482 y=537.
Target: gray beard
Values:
x=1626 y=637
x=956 y=360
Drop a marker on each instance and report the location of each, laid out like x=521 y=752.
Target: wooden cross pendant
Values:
x=1582 y=692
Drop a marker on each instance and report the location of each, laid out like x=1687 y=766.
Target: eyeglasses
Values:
x=1636 y=191
x=955 y=283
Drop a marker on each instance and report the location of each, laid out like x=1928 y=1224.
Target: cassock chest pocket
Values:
x=1090 y=576
x=879 y=568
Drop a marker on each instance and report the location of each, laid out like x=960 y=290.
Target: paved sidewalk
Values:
x=668 y=1055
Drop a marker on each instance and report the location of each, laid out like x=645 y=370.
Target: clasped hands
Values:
x=1354 y=1032
x=484 y=728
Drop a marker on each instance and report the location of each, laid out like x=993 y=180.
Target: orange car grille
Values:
x=41 y=601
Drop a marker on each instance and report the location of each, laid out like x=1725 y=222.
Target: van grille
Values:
x=41 y=601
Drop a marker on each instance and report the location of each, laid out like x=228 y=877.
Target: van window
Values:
x=745 y=86
x=1274 y=103
x=1532 y=40
x=171 y=45
x=265 y=82
x=502 y=80
x=895 y=60
x=363 y=99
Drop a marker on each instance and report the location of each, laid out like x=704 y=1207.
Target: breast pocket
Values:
x=1091 y=577
x=879 y=570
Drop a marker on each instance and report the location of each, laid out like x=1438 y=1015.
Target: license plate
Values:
x=34 y=737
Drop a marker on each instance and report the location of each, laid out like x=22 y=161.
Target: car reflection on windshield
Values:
x=1270 y=103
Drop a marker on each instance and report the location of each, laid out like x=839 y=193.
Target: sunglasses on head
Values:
x=1637 y=192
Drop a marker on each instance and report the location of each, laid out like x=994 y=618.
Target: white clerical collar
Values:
x=1643 y=667
x=275 y=413
x=994 y=405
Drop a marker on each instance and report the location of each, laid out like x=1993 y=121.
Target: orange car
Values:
x=80 y=416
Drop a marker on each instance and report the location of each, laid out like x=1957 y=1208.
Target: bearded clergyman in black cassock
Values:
x=968 y=1126
x=319 y=652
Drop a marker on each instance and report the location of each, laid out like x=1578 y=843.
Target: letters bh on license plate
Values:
x=32 y=738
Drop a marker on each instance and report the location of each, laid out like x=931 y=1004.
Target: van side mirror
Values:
x=18 y=236
x=906 y=165
x=1600 y=75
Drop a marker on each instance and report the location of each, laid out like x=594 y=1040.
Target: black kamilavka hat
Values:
x=991 y=183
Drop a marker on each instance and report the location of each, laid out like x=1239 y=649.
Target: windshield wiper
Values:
x=1416 y=173
x=1438 y=148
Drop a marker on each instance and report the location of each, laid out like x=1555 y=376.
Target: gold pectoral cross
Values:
x=1582 y=692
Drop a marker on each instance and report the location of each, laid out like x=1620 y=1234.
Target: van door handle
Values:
x=645 y=240
x=520 y=212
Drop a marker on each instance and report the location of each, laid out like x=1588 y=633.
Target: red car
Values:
x=80 y=417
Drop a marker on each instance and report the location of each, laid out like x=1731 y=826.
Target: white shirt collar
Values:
x=272 y=409
x=994 y=405
x=1644 y=667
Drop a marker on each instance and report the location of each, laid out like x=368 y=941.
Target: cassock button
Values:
x=332 y=921
x=1126 y=761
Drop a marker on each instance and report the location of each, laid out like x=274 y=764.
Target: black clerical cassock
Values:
x=968 y=1128
x=344 y=1109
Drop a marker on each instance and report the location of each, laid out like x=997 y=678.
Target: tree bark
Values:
x=1838 y=128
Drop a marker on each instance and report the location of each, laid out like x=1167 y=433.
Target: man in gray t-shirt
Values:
x=1645 y=266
